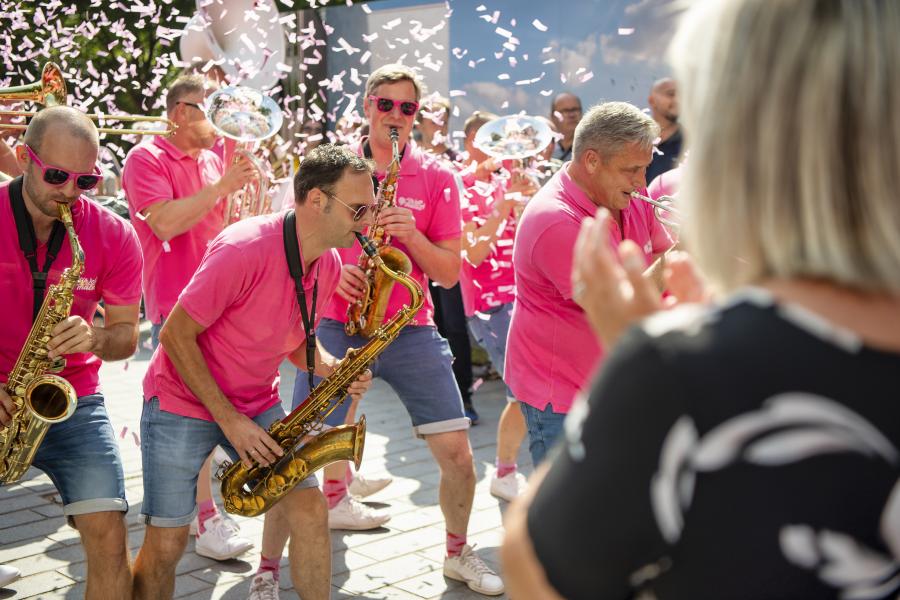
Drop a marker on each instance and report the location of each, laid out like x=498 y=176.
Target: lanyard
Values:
x=28 y=244
x=292 y=251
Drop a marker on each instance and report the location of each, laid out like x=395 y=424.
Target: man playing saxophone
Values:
x=58 y=159
x=425 y=224
x=214 y=379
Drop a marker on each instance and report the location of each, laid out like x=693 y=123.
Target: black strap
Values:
x=28 y=243
x=292 y=251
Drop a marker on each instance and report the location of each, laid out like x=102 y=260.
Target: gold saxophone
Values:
x=253 y=491
x=40 y=398
x=366 y=315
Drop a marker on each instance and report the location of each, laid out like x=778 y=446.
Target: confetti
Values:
x=626 y=30
x=538 y=25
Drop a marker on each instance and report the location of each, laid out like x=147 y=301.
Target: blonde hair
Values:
x=794 y=155
x=393 y=74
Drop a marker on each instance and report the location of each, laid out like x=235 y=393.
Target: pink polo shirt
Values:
x=551 y=349
x=244 y=296
x=492 y=283
x=112 y=272
x=156 y=171
x=427 y=187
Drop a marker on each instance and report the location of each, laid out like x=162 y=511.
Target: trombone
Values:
x=51 y=90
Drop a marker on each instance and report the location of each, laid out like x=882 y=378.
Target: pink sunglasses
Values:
x=56 y=176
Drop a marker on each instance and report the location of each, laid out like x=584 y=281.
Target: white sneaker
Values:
x=362 y=486
x=263 y=587
x=509 y=486
x=354 y=515
x=221 y=541
x=8 y=575
x=471 y=570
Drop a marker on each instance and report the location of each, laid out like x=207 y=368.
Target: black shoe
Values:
x=470 y=412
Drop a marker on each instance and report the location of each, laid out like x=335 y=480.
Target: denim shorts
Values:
x=81 y=457
x=490 y=329
x=173 y=449
x=417 y=365
x=545 y=429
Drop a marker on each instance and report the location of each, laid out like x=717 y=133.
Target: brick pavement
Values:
x=399 y=561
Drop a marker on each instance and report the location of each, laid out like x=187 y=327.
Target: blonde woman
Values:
x=747 y=448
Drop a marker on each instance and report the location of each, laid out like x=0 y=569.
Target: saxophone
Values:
x=253 y=491
x=40 y=398
x=366 y=315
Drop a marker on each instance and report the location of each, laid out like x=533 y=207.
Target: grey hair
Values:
x=184 y=86
x=797 y=174
x=392 y=74
x=72 y=121
x=607 y=127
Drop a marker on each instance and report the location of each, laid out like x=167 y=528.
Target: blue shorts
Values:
x=490 y=329
x=81 y=457
x=417 y=365
x=545 y=429
x=173 y=449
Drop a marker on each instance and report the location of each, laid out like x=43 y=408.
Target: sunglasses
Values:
x=358 y=212
x=56 y=176
x=386 y=105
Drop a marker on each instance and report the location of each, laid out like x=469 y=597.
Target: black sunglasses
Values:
x=386 y=105
x=56 y=176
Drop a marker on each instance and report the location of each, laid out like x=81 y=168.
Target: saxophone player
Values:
x=58 y=160
x=425 y=224
x=214 y=378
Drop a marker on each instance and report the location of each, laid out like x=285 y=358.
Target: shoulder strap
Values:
x=292 y=248
x=28 y=243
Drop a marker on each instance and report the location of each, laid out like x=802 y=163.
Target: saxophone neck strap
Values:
x=28 y=244
x=292 y=252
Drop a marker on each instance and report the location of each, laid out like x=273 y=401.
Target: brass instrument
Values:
x=51 y=91
x=365 y=316
x=247 y=116
x=40 y=398
x=661 y=206
x=253 y=491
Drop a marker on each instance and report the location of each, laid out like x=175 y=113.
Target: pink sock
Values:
x=206 y=512
x=334 y=490
x=504 y=468
x=455 y=544
x=272 y=565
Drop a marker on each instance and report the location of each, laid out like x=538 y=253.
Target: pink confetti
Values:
x=137 y=440
x=477 y=383
x=122 y=433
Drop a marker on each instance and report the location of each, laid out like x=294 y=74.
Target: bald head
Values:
x=60 y=121
x=663 y=101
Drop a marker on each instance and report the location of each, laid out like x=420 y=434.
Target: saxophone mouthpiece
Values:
x=367 y=245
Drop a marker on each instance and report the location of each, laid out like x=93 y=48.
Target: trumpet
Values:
x=661 y=206
x=51 y=90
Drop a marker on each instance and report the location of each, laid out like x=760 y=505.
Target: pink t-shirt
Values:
x=244 y=296
x=551 y=349
x=427 y=187
x=665 y=184
x=156 y=171
x=492 y=283
x=112 y=272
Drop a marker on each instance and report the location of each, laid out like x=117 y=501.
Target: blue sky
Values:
x=617 y=47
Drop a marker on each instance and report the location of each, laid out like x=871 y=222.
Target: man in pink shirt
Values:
x=551 y=350
x=214 y=379
x=488 y=283
x=174 y=186
x=81 y=454
x=424 y=224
